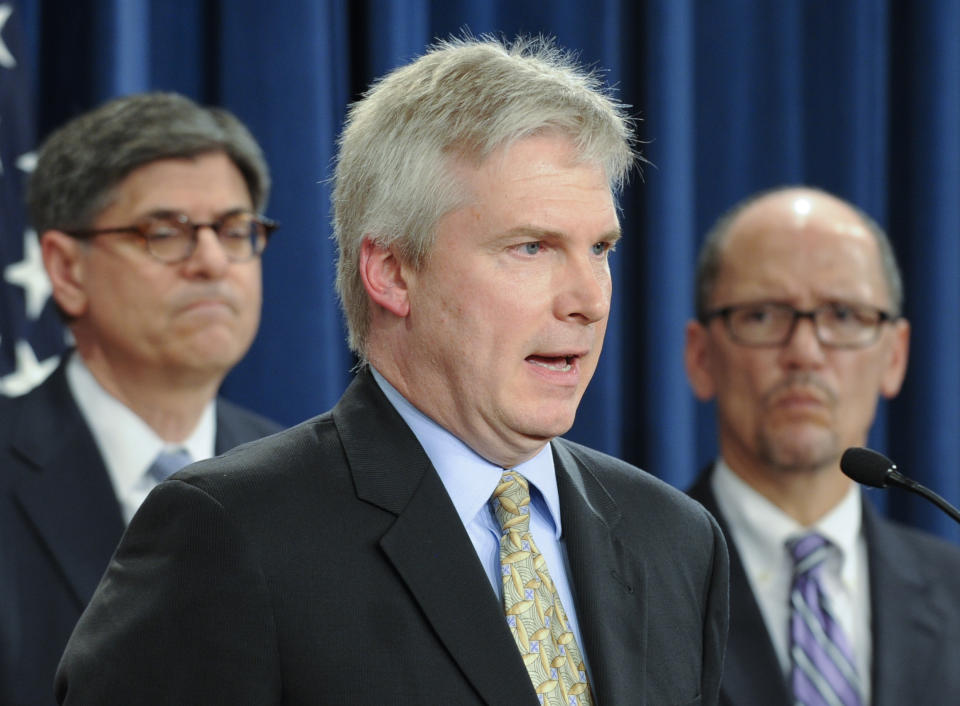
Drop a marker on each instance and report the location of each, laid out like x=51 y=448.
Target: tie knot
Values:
x=809 y=551
x=511 y=502
x=167 y=463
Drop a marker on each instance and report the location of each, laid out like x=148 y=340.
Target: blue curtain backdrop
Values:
x=860 y=97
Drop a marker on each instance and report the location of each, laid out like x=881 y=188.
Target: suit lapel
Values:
x=752 y=672
x=608 y=582
x=428 y=545
x=906 y=615
x=236 y=426
x=228 y=435
x=63 y=488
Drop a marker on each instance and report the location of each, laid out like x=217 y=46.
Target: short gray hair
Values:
x=710 y=258
x=81 y=162
x=463 y=99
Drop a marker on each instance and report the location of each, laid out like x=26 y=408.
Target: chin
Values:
x=547 y=428
x=210 y=359
x=803 y=455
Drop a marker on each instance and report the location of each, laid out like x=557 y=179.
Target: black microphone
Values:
x=869 y=467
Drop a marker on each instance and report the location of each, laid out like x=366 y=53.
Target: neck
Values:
x=804 y=495
x=170 y=403
x=428 y=393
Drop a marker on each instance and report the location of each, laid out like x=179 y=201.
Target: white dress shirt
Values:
x=470 y=481
x=127 y=444
x=760 y=531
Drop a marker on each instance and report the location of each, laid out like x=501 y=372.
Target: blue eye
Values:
x=532 y=248
x=601 y=247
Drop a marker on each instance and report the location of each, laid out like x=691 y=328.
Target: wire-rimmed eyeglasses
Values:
x=171 y=237
x=836 y=324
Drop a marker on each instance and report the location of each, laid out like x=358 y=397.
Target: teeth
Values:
x=561 y=367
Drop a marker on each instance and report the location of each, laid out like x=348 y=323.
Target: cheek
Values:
x=741 y=372
x=606 y=279
x=481 y=309
x=249 y=288
x=858 y=389
x=137 y=298
x=250 y=280
x=451 y=307
x=741 y=385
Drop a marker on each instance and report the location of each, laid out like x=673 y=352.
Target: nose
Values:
x=803 y=349
x=584 y=290
x=208 y=259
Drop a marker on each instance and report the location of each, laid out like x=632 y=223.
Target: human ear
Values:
x=898 y=353
x=382 y=273
x=696 y=358
x=64 y=259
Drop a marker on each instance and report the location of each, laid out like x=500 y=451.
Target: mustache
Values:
x=801 y=381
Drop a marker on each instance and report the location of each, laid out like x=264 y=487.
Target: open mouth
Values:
x=561 y=363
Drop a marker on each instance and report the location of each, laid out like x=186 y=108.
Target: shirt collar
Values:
x=469 y=478
x=127 y=443
x=763 y=528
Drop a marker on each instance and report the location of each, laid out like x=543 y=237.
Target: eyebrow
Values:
x=526 y=231
x=169 y=212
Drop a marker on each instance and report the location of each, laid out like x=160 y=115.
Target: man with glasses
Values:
x=798 y=332
x=147 y=209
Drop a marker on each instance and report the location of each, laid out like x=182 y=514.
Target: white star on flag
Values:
x=27 y=162
x=6 y=58
x=30 y=274
x=29 y=371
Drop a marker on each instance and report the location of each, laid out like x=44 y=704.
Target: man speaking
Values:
x=431 y=540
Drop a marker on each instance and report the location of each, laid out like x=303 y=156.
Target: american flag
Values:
x=31 y=336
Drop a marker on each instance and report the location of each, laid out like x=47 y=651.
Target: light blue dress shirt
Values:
x=470 y=481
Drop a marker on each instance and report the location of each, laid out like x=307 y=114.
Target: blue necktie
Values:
x=167 y=463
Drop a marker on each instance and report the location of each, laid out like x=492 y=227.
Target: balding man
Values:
x=798 y=333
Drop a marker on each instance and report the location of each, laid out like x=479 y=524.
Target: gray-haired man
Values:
x=431 y=540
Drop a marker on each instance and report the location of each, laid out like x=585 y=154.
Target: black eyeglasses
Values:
x=172 y=237
x=836 y=324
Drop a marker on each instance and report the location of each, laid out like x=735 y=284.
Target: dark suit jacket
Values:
x=327 y=564
x=59 y=524
x=915 y=622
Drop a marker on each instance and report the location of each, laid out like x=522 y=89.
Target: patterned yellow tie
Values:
x=534 y=614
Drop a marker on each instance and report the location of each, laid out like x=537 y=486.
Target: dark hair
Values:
x=81 y=162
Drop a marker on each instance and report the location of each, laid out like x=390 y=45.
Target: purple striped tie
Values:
x=823 y=672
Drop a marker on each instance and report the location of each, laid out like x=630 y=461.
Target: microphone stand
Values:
x=896 y=478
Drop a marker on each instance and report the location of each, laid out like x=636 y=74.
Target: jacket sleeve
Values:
x=181 y=616
x=716 y=618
